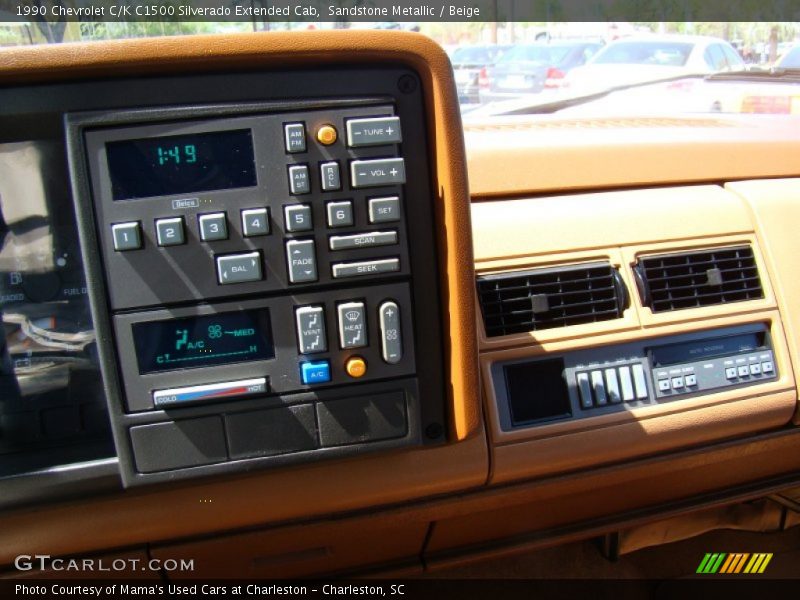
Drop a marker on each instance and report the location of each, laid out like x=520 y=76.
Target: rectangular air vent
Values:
x=522 y=301
x=702 y=278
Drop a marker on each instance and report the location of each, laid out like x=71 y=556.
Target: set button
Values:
x=170 y=232
x=384 y=210
x=213 y=227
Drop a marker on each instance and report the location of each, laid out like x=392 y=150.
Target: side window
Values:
x=714 y=57
x=734 y=60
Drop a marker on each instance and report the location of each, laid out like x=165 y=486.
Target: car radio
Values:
x=266 y=274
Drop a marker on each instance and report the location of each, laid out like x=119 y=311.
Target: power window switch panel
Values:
x=299 y=180
x=627 y=383
x=169 y=232
x=585 y=390
x=384 y=210
x=295 y=137
x=373 y=131
x=255 y=221
x=239 y=268
x=311 y=336
x=329 y=176
x=640 y=382
x=127 y=236
x=612 y=386
x=213 y=227
x=352 y=325
x=302 y=261
x=377 y=172
x=664 y=385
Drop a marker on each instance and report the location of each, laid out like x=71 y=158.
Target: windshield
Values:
x=674 y=54
x=506 y=67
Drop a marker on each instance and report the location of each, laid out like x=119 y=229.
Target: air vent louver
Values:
x=693 y=279
x=522 y=301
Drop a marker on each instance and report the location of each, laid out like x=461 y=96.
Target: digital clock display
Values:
x=191 y=342
x=181 y=164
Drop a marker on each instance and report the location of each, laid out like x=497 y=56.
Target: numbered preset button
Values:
x=340 y=214
x=213 y=227
x=255 y=221
x=127 y=236
x=169 y=232
x=297 y=217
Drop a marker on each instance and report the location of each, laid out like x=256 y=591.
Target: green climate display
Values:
x=202 y=341
x=181 y=164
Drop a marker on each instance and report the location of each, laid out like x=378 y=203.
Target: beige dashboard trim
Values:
x=556 y=153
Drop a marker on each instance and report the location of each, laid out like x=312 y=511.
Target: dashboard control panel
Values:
x=616 y=378
x=267 y=275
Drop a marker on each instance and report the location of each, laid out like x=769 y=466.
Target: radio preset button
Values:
x=213 y=227
x=391 y=336
x=352 y=325
x=373 y=131
x=311 y=336
x=329 y=175
x=340 y=214
x=377 y=172
x=169 y=232
x=730 y=373
x=297 y=217
x=239 y=268
x=363 y=240
x=755 y=369
x=639 y=382
x=677 y=383
x=384 y=210
x=369 y=267
x=599 y=388
x=127 y=236
x=767 y=367
x=302 y=261
x=744 y=371
x=691 y=380
x=255 y=221
x=299 y=180
x=664 y=385
x=295 y=137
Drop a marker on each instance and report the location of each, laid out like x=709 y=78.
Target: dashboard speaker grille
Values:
x=521 y=301
x=694 y=279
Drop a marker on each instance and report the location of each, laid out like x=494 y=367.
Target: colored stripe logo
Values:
x=734 y=563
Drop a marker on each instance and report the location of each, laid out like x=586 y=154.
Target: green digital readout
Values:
x=201 y=341
x=177 y=154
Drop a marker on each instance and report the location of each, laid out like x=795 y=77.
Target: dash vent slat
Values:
x=695 y=279
x=522 y=301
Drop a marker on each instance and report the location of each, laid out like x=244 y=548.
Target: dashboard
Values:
x=268 y=304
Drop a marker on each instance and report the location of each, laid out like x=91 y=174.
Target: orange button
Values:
x=355 y=366
x=326 y=135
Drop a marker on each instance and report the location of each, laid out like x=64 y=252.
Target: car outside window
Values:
x=643 y=53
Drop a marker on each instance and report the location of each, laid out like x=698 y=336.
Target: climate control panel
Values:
x=274 y=261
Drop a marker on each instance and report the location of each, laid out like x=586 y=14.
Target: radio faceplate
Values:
x=287 y=259
x=622 y=377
